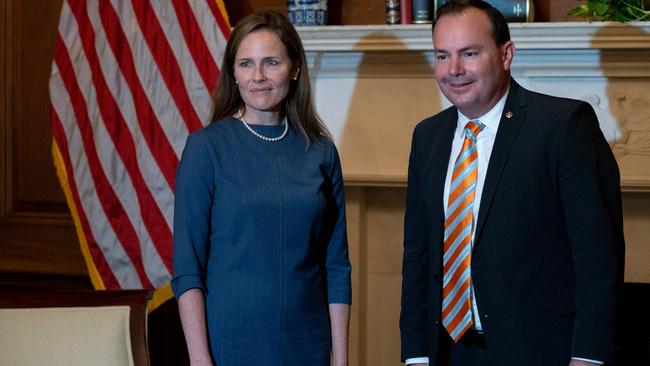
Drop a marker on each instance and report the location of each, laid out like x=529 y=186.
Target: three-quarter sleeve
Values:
x=339 y=288
x=192 y=212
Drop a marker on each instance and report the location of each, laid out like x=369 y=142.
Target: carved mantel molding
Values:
x=374 y=83
x=417 y=37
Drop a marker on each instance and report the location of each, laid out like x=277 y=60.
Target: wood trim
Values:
x=539 y=36
x=10 y=47
x=40 y=249
x=4 y=140
x=13 y=72
x=356 y=211
x=628 y=184
x=34 y=184
x=22 y=281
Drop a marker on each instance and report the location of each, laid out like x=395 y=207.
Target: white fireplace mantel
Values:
x=544 y=49
x=417 y=37
x=373 y=83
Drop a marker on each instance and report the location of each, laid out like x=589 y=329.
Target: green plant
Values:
x=613 y=10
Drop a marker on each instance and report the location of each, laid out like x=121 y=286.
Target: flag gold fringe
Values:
x=222 y=8
x=95 y=278
x=160 y=295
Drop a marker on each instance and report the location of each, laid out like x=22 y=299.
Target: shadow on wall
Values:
x=386 y=96
x=393 y=91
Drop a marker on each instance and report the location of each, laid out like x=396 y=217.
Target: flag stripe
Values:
x=99 y=228
x=155 y=237
x=167 y=63
x=130 y=80
x=110 y=163
x=219 y=18
x=118 y=132
x=110 y=204
x=149 y=125
x=127 y=104
x=215 y=41
x=107 y=277
x=101 y=231
x=200 y=97
x=196 y=42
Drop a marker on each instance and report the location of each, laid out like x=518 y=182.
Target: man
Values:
x=513 y=237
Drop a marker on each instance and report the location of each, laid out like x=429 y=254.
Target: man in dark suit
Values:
x=513 y=238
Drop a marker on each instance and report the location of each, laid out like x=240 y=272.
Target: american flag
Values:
x=130 y=80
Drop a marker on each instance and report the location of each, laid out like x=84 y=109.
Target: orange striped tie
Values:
x=459 y=222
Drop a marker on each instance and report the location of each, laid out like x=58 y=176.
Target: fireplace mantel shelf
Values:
x=417 y=37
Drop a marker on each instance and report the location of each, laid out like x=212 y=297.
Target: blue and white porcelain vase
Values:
x=307 y=12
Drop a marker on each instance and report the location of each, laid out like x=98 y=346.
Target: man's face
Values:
x=471 y=70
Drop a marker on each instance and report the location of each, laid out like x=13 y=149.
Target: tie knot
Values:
x=472 y=129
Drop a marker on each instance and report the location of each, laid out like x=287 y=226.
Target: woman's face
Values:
x=263 y=72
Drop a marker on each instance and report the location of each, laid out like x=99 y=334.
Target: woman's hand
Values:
x=207 y=362
x=191 y=307
x=340 y=321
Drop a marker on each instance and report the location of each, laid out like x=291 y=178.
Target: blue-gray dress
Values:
x=260 y=227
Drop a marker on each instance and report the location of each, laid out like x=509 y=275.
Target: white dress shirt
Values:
x=484 y=144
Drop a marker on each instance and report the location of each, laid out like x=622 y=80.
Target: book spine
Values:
x=513 y=10
x=422 y=11
x=405 y=12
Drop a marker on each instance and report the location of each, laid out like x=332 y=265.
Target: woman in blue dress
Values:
x=261 y=268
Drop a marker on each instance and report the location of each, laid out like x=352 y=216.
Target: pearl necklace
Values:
x=278 y=138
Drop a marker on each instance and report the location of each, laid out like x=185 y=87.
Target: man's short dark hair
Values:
x=500 y=31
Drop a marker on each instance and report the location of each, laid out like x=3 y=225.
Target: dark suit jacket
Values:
x=547 y=257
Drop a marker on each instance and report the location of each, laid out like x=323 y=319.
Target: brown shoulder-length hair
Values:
x=299 y=105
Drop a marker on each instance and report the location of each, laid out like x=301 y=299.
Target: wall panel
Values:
x=37 y=238
x=384 y=273
x=4 y=142
x=35 y=186
x=636 y=220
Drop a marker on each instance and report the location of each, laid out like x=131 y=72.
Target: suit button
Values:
x=436 y=322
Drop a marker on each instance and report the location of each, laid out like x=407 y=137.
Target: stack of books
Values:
x=422 y=11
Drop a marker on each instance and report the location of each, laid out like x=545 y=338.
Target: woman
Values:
x=261 y=269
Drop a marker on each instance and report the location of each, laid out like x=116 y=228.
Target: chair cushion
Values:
x=65 y=336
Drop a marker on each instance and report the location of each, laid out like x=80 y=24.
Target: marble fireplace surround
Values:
x=374 y=83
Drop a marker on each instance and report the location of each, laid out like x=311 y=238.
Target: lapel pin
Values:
x=508 y=114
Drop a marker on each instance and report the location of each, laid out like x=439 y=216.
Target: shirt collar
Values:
x=490 y=119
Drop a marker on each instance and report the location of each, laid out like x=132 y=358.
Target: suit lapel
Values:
x=506 y=136
x=439 y=160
